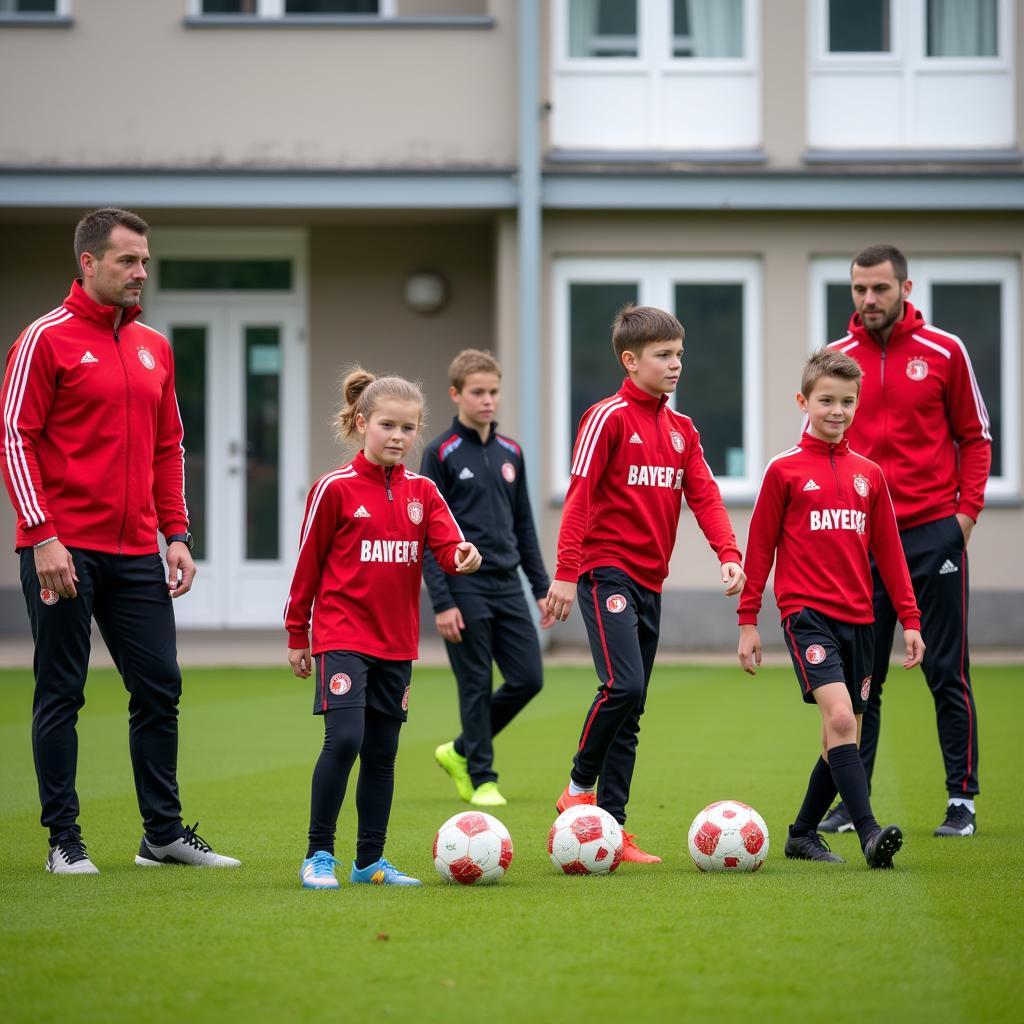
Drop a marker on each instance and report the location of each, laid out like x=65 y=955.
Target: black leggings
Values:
x=373 y=736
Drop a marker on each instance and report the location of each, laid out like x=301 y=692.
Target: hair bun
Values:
x=355 y=383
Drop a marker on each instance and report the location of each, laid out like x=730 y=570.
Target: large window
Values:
x=899 y=74
x=656 y=74
x=719 y=305
x=975 y=299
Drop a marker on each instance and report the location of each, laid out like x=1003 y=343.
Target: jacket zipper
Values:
x=885 y=412
x=835 y=469
x=127 y=436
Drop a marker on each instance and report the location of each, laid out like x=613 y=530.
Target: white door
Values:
x=241 y=381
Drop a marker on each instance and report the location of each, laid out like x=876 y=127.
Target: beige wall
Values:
x=357 y=313
x=145 y=91
x=785 y=243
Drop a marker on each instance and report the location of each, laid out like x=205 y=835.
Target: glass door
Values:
x=240 y=380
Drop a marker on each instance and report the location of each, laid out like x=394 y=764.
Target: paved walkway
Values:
x=267 y=648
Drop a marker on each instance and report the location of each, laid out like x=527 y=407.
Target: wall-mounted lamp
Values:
x=425 y=291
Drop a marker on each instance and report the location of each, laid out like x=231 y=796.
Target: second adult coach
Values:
x=922 y=419
x=94 y=464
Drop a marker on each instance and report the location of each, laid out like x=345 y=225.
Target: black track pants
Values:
x=623 y=621
x=498 y=630
x=127 y=595
x=939 y=571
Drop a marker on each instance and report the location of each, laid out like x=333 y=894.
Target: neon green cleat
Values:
x=456 y=767
x=487 y=795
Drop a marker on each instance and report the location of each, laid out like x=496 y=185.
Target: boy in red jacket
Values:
x=633 y=461
x=823 y=510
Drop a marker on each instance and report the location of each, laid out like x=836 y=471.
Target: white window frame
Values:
x=954 y=270
x=275 y=9
x=654 y=45
x=907 y=32
x=656 y=278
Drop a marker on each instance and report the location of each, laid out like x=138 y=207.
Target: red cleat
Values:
x=567 y=800
x=631 y=852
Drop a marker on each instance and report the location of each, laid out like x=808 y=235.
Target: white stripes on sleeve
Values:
x=28 y=501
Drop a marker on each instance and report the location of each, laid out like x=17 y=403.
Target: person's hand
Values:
x=915 y=648
x=560 y=599
x=733 y=577
x=300 y=661
x=749 y=651
x=55 y=569
x=467 y=558
x=547 y=620
x=966 y=525
x=181 y=570
x=450 y=625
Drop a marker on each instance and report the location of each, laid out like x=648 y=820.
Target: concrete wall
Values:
x=145 y=90
x=357 y=313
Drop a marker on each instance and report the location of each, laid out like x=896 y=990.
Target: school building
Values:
x=389 y=181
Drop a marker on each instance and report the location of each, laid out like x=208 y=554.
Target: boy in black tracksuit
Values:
x=485 y=619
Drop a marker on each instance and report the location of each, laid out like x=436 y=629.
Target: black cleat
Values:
x=837 y=820
x=960 y=821
x=880 y=849
x=810 y=847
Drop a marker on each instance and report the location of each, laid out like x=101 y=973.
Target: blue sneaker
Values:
x=381 y=872
x=317 y=872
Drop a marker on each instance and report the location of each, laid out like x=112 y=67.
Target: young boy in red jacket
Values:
x=633 y=461
x=822 y=511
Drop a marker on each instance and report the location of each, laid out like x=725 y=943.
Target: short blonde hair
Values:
x=363 y=391
x=829 y=362
x=471 y=360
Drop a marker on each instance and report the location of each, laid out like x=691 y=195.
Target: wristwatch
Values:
x=185 y=538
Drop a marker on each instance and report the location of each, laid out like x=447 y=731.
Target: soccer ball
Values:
x=584 y=840
x=728 y=836
x=472 y=848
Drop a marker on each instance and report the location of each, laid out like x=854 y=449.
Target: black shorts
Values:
x=346 y=679
x=826 y=650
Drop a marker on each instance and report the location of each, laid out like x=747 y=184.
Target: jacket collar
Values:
x=79 y=303
x=901 y=330
x=364 y=467
x=471 y=434
x=637 y=396
x=810 y=443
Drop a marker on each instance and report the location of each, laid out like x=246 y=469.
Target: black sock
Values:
x=852 y=783
x=460 y=747
x=821 y=791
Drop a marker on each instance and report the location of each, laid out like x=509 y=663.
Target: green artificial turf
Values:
x=937 y=939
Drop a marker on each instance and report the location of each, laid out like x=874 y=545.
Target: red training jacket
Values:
x=92 y=436
x=921 y=418
x=820 y=511
x=361 y=560
x=633 y=461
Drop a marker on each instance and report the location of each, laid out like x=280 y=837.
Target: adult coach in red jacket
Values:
x=94 y=464
x=923 y=420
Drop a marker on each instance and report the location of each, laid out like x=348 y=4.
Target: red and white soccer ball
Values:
x=472 y=848
x=728 y=836
x=585 y=840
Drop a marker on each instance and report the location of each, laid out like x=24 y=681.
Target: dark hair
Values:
x=362 y=392
x=637 y=326
x=829 y=362
x=92 y=234
x=873 y=255
x=471 y=360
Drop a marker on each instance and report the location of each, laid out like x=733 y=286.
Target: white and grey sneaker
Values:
x=960 y=821
x=68 y=857
x=191 y=850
